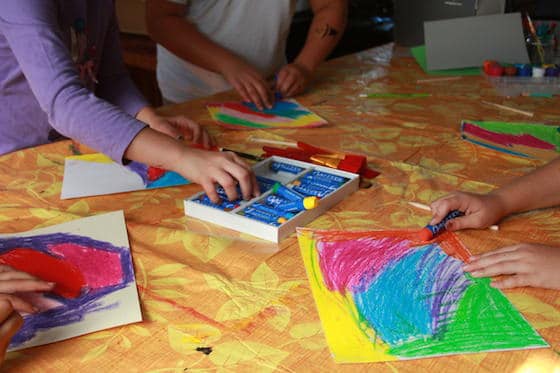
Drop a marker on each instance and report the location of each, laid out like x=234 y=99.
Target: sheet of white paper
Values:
x=93 y=310
x=469 y=41
x=82 y=179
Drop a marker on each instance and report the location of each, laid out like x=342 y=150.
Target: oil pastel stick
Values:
x=286 y=167
x=307 y=203
x=430 y=231
x=286 y=192
x=309 y=190
x=262 y=216
x=272 y=211
x=323 y=177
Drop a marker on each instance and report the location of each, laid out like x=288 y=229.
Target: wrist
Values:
x=501 y=204
x=307 y=67
x=147 y=114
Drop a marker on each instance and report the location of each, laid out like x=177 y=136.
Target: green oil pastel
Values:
x=484 y=320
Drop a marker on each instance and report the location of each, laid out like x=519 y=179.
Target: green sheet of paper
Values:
x=419 y=54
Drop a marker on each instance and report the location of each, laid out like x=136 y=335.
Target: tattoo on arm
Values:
x=326 y=31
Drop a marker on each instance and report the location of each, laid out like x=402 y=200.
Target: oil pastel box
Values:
x=293 y=194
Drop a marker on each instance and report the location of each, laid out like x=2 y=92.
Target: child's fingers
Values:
x=210 y=190
x=6 y=309
x=13 y=286
x=492 y=258
x=287 y=83
x=246 y=177
x=207 y=140
x=463 y=222
x=262 y=92
x=240 y=88
x=16 y=275
x=254 y=96
x=228 y=183
x=506 y=267
x=504 y=249
x=11 y=321
x=19 y=304
x=509 y=282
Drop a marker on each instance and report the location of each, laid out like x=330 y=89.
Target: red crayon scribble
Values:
x=506 y=139
x=155 y=173
x=189 y=310
x=69 y=280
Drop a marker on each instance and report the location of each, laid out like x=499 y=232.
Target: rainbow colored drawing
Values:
x=284 y=114
x=96 y=174
x=527 y=140
x=383 y=296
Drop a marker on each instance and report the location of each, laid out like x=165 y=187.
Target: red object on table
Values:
x=308 y=153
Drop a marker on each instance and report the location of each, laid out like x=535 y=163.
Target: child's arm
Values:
x=327 y=27
x=167 y=26
x=524 y=264
x=31 y=29
x=35 y=38
x=537 y=189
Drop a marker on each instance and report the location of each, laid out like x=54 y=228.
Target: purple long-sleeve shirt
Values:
x=50 y=52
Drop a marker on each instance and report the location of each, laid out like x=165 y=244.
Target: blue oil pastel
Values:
x=409 y=313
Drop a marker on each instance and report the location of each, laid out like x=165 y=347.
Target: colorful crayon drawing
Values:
x=521 y=139
x=284 y=114
x=96 y=174
x=384 y=296
x=95 y=286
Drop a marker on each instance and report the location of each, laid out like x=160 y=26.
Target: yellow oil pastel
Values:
x=95 y=158
x=339 y=317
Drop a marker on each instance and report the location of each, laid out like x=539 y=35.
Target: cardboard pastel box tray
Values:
x=293 y=194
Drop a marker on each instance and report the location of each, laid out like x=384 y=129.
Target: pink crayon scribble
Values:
x=349 y=265
x=89 y=261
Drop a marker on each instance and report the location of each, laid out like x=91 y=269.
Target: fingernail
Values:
x=476 y=274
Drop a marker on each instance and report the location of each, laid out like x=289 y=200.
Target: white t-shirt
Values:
x=256 y=30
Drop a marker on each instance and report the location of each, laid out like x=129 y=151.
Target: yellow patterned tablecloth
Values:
x=216 y=300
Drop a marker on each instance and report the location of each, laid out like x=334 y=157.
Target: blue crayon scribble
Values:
x=281 y=109
x=429 y=283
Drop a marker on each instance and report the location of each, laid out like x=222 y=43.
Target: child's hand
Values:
x=480 y=211
x=292 y=79
x=249 y=83
x=10 y=322
x=178 y=127
x=14 y=281
x=224 y=168
x=527 y=264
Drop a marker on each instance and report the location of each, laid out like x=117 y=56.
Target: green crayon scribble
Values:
x=484 y=320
